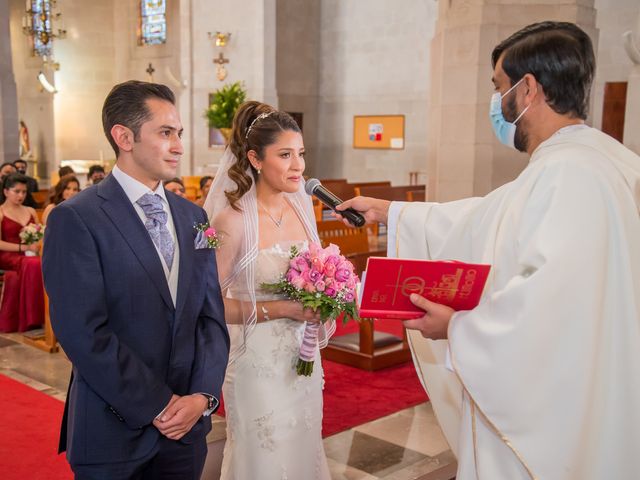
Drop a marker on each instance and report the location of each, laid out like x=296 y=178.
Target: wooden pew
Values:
x=349 y=240
x=397 y=193
x=46 y=341
x=41 y=196
x=417 y=195
x=385 y=183
x=191 y=186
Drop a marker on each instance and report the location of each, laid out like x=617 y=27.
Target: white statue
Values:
x=632 y=43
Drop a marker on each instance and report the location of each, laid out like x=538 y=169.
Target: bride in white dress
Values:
x=258 y=205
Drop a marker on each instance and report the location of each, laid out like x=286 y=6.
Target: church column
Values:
x=8 y=97
x=463 y=158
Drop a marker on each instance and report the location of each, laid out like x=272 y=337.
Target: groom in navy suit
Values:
x=136 y=305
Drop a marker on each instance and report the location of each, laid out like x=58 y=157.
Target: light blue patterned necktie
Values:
x=156 y=225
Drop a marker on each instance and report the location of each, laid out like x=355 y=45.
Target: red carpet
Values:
x=29 y=426
x=353 y=396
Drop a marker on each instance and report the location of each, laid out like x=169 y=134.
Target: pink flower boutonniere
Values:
x=207 y=236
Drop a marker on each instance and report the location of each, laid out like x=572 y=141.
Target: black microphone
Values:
x=314 y=187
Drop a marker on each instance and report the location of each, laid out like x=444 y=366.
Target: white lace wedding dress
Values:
x=274 y=416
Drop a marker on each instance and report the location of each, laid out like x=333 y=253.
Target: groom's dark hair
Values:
x=126 y=105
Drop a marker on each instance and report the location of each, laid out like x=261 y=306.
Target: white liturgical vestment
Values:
x=545 y=379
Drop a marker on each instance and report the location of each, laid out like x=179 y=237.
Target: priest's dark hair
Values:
x=126 y=105
x=560 y=56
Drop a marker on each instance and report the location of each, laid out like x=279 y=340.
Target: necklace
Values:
x=278 y=223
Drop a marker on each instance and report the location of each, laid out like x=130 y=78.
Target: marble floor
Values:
x=405 y=445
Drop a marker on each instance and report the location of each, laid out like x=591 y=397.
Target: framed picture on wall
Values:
x=383 y=132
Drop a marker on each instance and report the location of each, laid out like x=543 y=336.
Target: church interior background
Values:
x=329 y=62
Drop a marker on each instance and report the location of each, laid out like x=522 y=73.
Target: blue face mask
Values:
x=505 y=131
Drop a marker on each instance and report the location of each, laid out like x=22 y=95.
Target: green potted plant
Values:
x=224 y=104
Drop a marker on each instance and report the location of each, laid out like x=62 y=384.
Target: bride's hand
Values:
x=296 y=311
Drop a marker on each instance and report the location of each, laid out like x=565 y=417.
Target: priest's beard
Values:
x=521 y=139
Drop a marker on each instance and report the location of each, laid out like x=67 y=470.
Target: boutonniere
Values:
x=207 y=237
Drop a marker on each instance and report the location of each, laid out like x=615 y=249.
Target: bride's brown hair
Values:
x=255 y=126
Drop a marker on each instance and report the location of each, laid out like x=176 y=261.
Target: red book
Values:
x=388 y=282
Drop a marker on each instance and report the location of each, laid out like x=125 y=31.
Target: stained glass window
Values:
x=41 y=24
x=153 y=22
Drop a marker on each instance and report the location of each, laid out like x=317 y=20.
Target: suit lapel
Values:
x=183 y=222
x=125 y=218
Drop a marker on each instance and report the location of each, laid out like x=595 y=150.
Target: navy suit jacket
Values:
x=112 y=312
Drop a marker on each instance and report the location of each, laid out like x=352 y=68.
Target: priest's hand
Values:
x=435 y=322
x=372 y=209
x=181 y=415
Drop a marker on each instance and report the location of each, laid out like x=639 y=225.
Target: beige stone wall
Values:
x=251 y=51
x=87 y=73
x=297 y=66
x=373 y=59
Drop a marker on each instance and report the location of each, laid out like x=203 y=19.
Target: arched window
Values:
x=153 y=22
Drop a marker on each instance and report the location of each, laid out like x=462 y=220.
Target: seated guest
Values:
x=175 y=185
x=5 y=169
x=205 y=185
x=32 y=183
x=21 y=167
x=22 y=304
x=96 y=174
x=66 y=188
x=66 y=170
x=62 y=171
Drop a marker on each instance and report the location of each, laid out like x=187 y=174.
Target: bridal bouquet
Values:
x=31 y=234
x=323 y=280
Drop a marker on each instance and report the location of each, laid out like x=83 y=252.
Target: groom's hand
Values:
x=181 y=415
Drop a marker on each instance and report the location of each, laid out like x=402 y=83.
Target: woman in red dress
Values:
x=22 y=304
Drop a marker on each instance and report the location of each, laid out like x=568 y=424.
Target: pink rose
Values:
x=329 y=269
x=316 y=264
x=292 y=274
x=342 y=274
x=210 y=232
x=315 y=275
x=320 y=286
x=310 y=287
x=349 y=296
x=330 y=291
x=299 y=264
x=298 y=282
x=333 y=259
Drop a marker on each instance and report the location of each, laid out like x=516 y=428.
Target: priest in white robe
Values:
x=542 y=379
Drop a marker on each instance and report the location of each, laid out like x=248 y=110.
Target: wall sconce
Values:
x=46 y=84
x=220 y=40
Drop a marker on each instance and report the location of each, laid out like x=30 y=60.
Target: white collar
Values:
x=135 y=189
